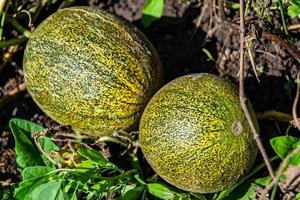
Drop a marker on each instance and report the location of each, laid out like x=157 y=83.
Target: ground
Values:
x=181 y=44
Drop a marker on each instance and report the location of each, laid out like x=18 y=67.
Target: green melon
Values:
x=195 y=136
x=89 y=69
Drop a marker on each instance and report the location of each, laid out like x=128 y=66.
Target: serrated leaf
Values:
x=282 y=145
x=160 y=191
x=153 y=10
x=48 y=191
x=27 y=154
x=35 y=172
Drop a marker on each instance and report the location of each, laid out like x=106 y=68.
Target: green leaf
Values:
x=26 y=152
x=153 y=10
x=295 y=159
x=93 y=155
x=48 y=191
x=74 y=195
x=160 y=191
x=298 y=196
x=132 y=194
x=35 y=172
x=208 y=54
x=294 y=11
x=48 y=146
x=24 y=189
x=251 y=194
x=264 y=181
x=282 y=145
x=85 y=166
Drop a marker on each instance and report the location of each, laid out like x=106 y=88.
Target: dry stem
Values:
x=292 y=49
x=294 y=111
x=12 y=94
x=242 y=93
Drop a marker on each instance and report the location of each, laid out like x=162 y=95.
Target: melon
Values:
x=91 y=70
x=195 y=136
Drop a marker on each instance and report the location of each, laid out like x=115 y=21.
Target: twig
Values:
x=76 y=136
x=35 y=138
x=221 y=9
x=7 y=56
x=265 y=52
x=242 y=93
x=249 y=50
x=12 y=94
x=292 y=49
x=294 y=27
x=294 y=111
x=200 y=18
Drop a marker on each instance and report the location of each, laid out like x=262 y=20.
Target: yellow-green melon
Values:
x=89 y=69
x=195 y=136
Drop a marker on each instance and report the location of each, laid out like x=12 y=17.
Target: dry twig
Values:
x=292 y=49
x=295 y=104
x=11 y=95
x=242 y=93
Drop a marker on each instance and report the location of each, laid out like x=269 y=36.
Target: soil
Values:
x=181 y=47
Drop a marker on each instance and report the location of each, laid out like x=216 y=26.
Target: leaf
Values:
x=22 y=192
x=294 y=11
x=35 y=172
x=85 y=166
x=74 y=195
x=26 y=152
x=263 y=181
x=298 y=196
x=132 y=194
x=208 y=54
x=251 y=194
x=48 y=191
x=48 y=146
x=93 y=155
x=153 y=10
x=295 y=159
x=160 y=191
x=282 y=145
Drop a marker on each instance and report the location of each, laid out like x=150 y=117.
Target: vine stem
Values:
x=242 y=94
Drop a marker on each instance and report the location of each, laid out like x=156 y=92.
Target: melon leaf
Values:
x=26 y=152
x=152 y=11
x=282 y=145
x=160 y=191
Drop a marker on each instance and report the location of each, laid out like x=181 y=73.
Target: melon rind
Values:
x=194 y=134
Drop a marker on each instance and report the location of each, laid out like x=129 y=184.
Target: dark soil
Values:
x=181 y=52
